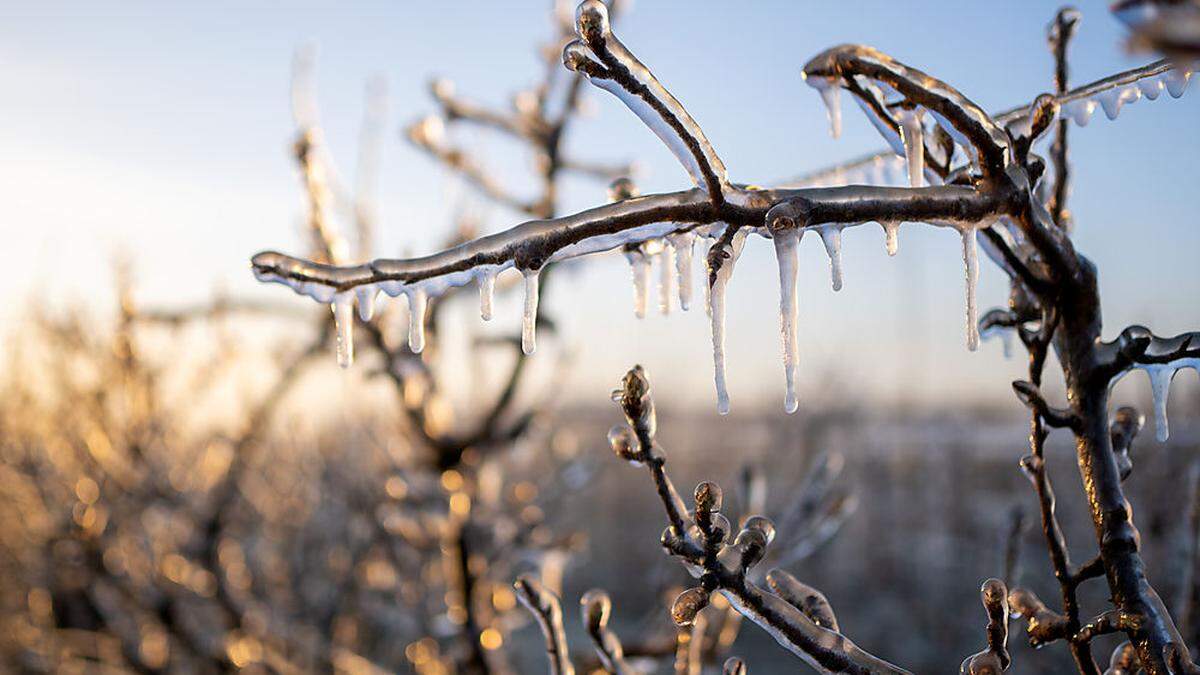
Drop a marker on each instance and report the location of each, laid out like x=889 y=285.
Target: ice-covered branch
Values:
x=1136 y=348
x=994 y=659
x=702 y=544
x=546 y=608
x=1042 y=624
x=1031 y=396
x=1059 y=35
x=607 y=63
x=596 y=608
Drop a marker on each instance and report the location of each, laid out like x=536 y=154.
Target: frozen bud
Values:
x=591 y=20
x=577 y=57
x=621 y=189
x=1027 y=392
x=441 y=88
x=596 y=609
x=624 y=443
x=761 y=524
x=1031 y=465
x=1134 y=341
x=708 y=497
x=428 y=132
x=734 y=666
x=994 y=595
x=1126 y=424
x=784 y=216
x=753 y=545
x=687 y=605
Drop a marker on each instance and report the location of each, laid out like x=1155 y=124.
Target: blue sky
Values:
x=163 y=129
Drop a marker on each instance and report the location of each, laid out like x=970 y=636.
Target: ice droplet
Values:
x=787 y=243
x=529 y=318
x=716 y=312
x=683 y=243
x=891 y=230
x=417 y=302
x=971 y=262
x=640 y=266
x=1176 y=81
x=343 y=319
x=831 y=236
x=1150 y=87
x=487 y=292
x=366 y=300
x=1080 y=110
x=1160 y=388
x=666 y=269
x=913 y=136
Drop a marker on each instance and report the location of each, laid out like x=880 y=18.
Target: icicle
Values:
x=1176 y=81
x=682 y=243
x=971 y=261
x=487 y=290
x=416 y=319
x=1160 y=388
x=1113 y=99
x=666 y=268
x=529 y=319
x=913 y=136
x=716 y=313
x=831 y=236
x=343 y=318
x=1080 y=110
x=787 y=243
x=366 y=301
x=831 y=95
x=891 y=229
x=641 y=280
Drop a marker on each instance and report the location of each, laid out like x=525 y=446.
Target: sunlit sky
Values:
x=163 y=130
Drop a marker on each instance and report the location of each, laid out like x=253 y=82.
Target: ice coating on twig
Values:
x=623 y=75
x=417 y=302
x=343 y=319
x=716 y=313
x=831 y=236
x=487 y=293
x=913 y=136
x=787 y=242
x=971 y=263
x=639 y=265
x=529 y=316
x=683 y=244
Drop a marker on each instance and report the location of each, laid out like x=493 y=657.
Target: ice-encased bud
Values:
x=761 y=524
x=708 y=497
x=733 y=666
x=591 y=19
x=596 y=609
x=621 y=189
x=687 y=605
x=624 y=443
x=753 y=545
x=575 y=55
x=718 y=529
x=428 y=132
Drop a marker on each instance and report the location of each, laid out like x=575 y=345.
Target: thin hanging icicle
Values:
x=912 y=134
x=639 y=264
x=831 y=236
x=716 y=313
x=366 y=301
x=787 y=243
x=971 y=262
x=1160 y=387
x=666 y=270
x=343 y=318
x=891 y=230
x=831 y=95
x=417 y=301
x=487 y=291
x=529 y=318
x=682 y=243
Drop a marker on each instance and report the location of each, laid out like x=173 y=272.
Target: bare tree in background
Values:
x=987 y=183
